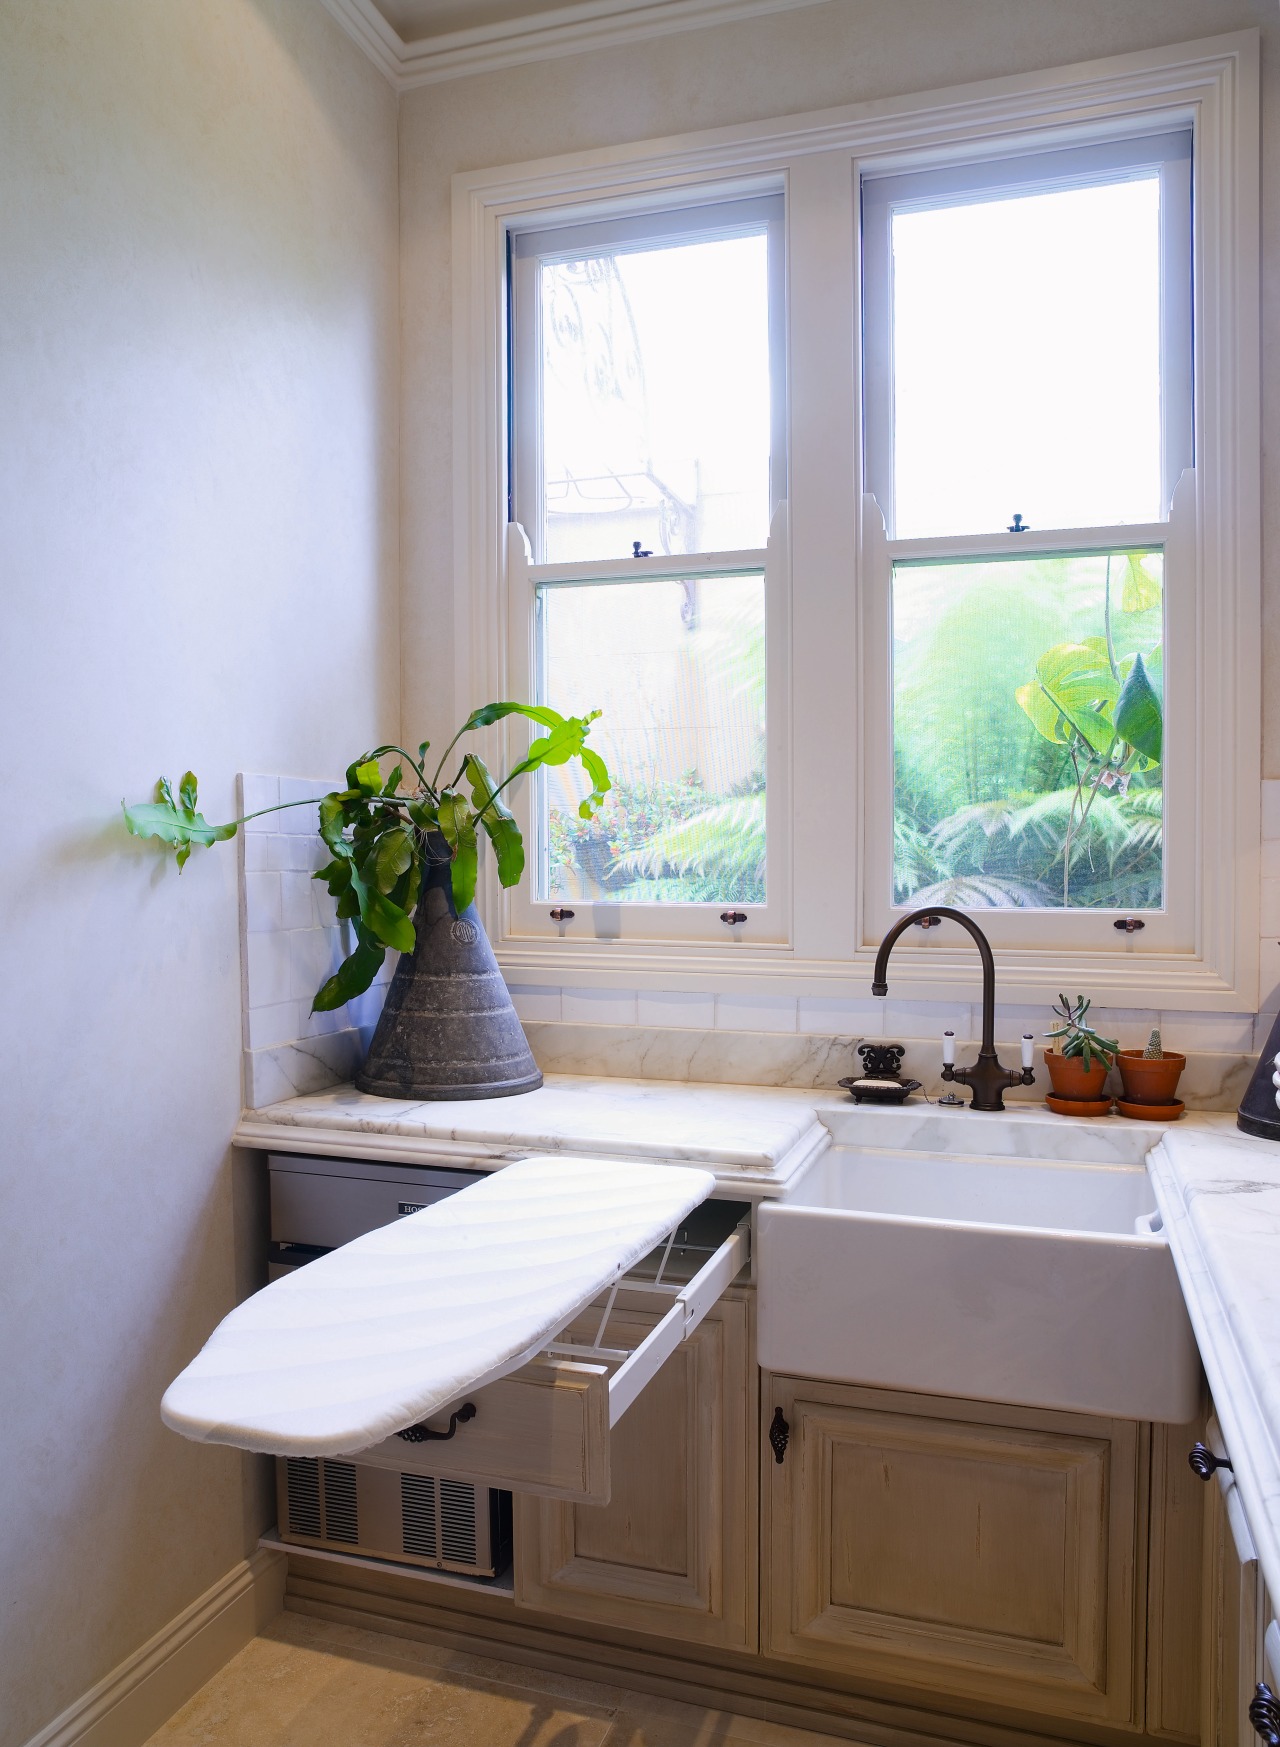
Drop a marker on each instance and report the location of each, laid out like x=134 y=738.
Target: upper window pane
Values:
x=1028 y=344
x=645 y=393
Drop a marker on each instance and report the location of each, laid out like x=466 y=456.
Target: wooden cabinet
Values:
x=1175 y=1587
x=674 y=1550
x=1234 y=1607
x=957 y=1548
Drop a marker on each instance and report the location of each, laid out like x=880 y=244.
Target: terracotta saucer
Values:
x=1151 y=1112
x=1078 y=1106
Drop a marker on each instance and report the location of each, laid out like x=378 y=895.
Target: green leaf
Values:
x=177 y=824
x=598 y=771
x=365 y=776
x=457 y=822
x=1141 y=591
x=1139 y=716
x=498 y=821
x=424 y=815
x=391 y=855
x=488 y=714
x=352 y=977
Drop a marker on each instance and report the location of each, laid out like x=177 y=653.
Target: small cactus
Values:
x=1153 y=1052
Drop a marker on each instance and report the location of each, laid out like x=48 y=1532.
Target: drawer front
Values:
x=544 y=1429
x=326 y=1209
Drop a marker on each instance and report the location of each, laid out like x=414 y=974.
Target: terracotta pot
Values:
x=1071 y=1079
x=1150 y=1082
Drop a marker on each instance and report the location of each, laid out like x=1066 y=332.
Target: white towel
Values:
x=388 y=1329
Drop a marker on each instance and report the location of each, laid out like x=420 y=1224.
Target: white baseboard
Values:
x=130 y=1704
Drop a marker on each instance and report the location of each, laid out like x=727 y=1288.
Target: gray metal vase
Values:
x=448 y=1029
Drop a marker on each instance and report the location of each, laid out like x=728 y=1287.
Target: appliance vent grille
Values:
x=340 y=1517
x=418 y=1515
x=458 y=1521
x=303 y=1492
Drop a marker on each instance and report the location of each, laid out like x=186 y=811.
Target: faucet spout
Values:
x=987 y=1077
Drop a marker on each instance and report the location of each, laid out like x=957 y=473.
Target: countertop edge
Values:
x=1240 y=1411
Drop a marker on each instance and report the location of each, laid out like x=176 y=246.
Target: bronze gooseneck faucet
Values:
x=986 y=1077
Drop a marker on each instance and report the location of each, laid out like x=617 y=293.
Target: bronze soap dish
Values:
x=880 y=1083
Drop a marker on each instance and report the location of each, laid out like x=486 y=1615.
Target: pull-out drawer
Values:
x=545 y=1428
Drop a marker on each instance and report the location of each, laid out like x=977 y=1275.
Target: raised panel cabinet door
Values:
x=959 y=1547
x=674 y=1551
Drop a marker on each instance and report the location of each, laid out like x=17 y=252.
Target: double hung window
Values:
x=889 y=479
x=648 y=466
x=1028 y=413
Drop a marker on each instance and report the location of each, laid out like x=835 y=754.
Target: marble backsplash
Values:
x=1211 y=1080
x=290 y=941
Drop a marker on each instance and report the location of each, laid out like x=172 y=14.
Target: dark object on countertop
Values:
x=1258 y=1113
x=881 y=1083
x=448 y=1029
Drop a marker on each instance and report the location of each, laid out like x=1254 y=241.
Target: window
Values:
x=1029 y=367
x=647 y=452
x=947 y=516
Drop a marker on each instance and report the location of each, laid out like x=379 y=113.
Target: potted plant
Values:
x=1151 y=1075
x=1078 y=1066
x=403 y=867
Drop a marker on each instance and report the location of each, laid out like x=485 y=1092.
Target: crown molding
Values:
x=571 y=29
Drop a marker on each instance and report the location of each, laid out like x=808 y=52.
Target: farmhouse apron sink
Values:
x=1026 y=1279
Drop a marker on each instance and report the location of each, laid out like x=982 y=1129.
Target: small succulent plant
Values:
x=1075 y=1036
x=1154 y=1052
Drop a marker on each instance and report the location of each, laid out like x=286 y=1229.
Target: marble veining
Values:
x=746 y=1136
x=1219 y=1195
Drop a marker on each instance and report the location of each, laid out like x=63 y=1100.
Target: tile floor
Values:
x=311 y=1683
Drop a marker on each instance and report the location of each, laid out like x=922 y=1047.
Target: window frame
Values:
x=1211 y=86
x=705 y=215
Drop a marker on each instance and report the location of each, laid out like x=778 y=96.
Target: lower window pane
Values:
x=678 y=670
x=1028 y=713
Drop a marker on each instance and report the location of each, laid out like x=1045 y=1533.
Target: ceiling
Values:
x=419 y=20
x=420 y=42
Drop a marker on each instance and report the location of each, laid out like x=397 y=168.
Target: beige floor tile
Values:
x=652 y=1722
x=301 y=1688
x=442 y=1662
x=309 y=1682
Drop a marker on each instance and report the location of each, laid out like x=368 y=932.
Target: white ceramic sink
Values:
x=952 y=1270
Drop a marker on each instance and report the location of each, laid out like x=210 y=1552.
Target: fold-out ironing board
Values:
x=376 y=1336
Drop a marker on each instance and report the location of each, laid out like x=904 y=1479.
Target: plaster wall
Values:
x=842 y=52
x=198 y=453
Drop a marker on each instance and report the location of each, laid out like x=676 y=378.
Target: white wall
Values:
x=198 y=430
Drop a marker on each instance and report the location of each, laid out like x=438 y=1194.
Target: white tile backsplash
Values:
x=534 y=1003
x=598 y=1006
x=262 y=902
x=269 y=960
x=827 y=1016
x=904 y=1019
x=756 y=1012
x=682 y=1007
x=1218 y=1033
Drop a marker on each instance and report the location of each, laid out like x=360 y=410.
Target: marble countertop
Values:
x=754 y=1140
x=1219 y=1195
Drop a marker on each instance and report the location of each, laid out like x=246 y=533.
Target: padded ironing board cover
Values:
x=386 y=1330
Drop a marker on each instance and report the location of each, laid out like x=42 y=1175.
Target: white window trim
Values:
x=1213 y=86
